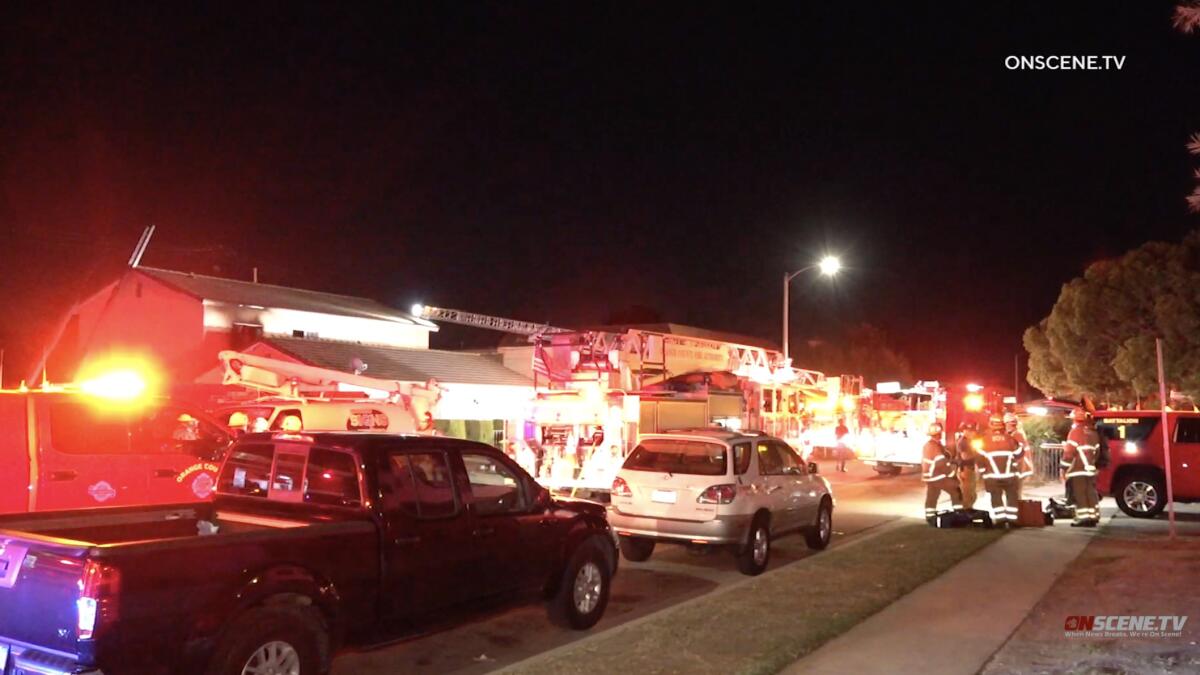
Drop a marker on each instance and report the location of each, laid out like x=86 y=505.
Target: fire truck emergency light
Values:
x=973 y=402
x=116 y=385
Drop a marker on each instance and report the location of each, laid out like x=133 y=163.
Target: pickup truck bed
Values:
x=154 y=548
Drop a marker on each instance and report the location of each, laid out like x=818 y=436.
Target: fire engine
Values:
x=294 y=396
x=902 y=417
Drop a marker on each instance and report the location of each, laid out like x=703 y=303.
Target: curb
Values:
x=866 y=534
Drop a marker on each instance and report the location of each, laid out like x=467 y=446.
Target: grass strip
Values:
x=766 y=624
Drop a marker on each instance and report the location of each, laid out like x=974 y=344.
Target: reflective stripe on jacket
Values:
x=1079 y=451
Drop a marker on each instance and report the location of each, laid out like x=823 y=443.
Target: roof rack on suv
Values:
x=717 y=428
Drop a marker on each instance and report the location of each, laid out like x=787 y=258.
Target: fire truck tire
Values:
x=887 y=469
x=278 y=637
x=753 y=558
x=817 y=536
x=636 y=549
x=1141 y=495
x=583 y=591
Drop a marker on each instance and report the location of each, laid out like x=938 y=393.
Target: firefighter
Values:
x=1079 y=468
x=938 y=474
x=998 y=464
x=1025 y=457
x=966 y=463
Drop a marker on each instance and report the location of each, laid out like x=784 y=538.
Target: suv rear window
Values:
x=698 y=458
x=1135 y=429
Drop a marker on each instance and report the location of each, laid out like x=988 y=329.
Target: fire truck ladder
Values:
x=496 y=323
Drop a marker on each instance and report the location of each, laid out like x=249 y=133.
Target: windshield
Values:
x=698 y=458
x=1133 y=429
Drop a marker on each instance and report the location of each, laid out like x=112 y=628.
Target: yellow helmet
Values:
x=239 y=419
x=292 y=423
x=935 y=429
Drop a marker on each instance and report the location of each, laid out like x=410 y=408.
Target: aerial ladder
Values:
x=496 y=323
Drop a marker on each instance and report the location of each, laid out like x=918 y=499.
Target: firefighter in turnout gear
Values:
x=1079 y=468
x=1025 y=466
x=938 y=474
x=998 y=462
x=964 y=445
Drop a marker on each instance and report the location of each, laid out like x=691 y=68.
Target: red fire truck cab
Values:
x=63 y=449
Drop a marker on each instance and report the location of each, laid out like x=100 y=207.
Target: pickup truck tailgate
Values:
x=39 y=584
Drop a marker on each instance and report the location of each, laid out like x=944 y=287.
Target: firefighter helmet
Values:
x=1079 y=415
x=996 y=421
x=238 y=420
x=935 y=429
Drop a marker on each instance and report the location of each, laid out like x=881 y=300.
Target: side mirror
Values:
x=543 y=500
x=812 y=467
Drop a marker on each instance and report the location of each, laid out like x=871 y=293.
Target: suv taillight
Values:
x=718 y=494
x=97 y=603
x=620 y=488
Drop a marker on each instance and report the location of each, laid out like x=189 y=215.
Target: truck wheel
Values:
x=583 y=590
x=887 y=470
x=636 y=549
x=817 y=537
x=1141 y=495
x=286 y=640
x=753 y=559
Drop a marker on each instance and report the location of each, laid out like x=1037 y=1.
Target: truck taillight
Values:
x=620 y=488
x=718 y=494
x=96 y=606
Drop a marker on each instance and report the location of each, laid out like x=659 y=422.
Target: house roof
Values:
x=397 y=363
x=238 y=292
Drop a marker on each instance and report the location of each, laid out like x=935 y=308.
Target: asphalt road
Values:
x=673 y=574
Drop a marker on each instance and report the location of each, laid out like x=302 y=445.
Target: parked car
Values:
x=311 y=542
x=715 y=488
x=64 y=449
x=1135 y=475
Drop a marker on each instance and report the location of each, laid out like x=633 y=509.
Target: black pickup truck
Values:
x=312 y=542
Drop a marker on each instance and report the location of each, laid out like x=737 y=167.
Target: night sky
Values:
x=568 y=162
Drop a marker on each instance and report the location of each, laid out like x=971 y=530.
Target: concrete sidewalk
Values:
x=953 y=624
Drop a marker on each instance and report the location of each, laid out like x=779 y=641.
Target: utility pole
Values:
x=1166 y=436
x=1017 y=376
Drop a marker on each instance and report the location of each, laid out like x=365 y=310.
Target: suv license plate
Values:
x=663 y=496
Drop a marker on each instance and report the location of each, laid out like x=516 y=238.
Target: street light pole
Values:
x=829 y=267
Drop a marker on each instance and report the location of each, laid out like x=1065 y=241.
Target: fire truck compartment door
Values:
x=667 y=415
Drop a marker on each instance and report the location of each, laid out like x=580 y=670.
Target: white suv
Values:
x=718 y=488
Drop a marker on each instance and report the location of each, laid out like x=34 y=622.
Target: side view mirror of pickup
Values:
x=812 y=467
x=542 y=500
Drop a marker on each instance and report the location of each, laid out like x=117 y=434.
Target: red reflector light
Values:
x=235 y=365
x=718 y=494
x=620 y=488
x=96 y=606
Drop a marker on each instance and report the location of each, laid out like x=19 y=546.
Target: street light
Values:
x=829 y=266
